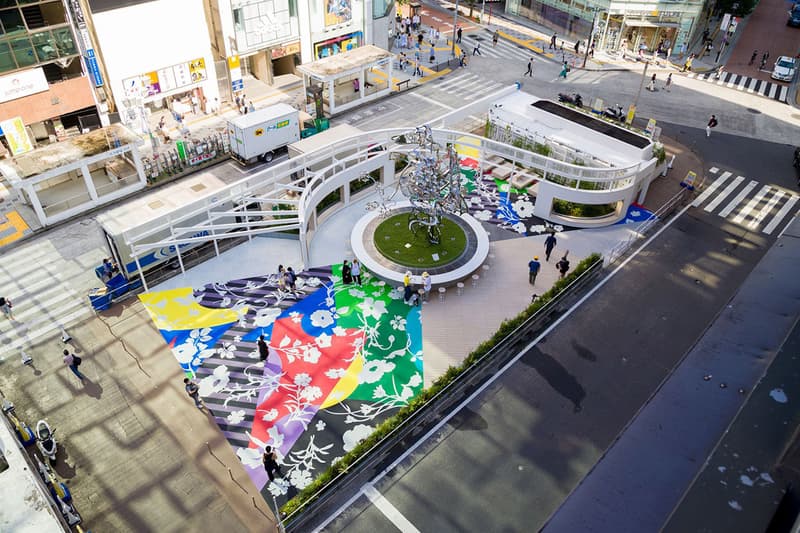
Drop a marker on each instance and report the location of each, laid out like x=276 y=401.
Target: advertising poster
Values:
x=133 y=86
x=182 y=75
x=343 y=43
x=337 y=12
x=16 y=135
x=197 y=69
x=151 y=85
x=166 y=79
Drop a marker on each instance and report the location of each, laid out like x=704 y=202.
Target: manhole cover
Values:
x=755 y=111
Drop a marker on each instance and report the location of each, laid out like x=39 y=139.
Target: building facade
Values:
x=268 y=38
x=47 y=80
x=157 y=57
x=646 y=25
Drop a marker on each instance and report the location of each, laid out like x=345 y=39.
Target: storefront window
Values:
x=64 y=42
x=23 y=52
x=11 y=21
x=44 y=44
x=6 y=61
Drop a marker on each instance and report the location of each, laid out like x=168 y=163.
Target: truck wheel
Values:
x=267 y=157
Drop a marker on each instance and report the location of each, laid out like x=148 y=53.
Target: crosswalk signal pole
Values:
x=455 y=23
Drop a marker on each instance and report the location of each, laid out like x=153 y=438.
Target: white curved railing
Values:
x=294 y=175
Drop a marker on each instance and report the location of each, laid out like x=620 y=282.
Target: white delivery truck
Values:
x=258 y=134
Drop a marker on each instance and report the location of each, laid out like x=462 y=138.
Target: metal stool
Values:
x=460 y=288
x=475 y=279
x=442 y=291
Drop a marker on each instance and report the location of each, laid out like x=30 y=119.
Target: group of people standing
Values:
x=351 y=272
x=411 y=296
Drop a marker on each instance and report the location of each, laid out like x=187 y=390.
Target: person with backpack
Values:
x=563 y=266
x=5 y=306
x=193 y=391
x=271 y=466
x=712 y=123
x=73 y=362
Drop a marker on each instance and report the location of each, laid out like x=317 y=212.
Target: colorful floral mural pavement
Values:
x=494 y=201
x=342 y=358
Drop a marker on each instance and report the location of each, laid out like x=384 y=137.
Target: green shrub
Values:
x=659 y=153
x=542 y=149
x=572 y=209
x=452 y=373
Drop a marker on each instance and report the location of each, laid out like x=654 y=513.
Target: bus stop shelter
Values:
x=349 y=79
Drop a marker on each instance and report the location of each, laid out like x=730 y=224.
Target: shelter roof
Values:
x=343 y=63
x=71 y=150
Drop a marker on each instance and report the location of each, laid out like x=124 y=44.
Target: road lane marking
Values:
x=724 y=194
x=711 y=188
x=754 y=201
x=736 y=201
x=388 y=510
x=782 y=213
x=766 y=209
x=431 y=100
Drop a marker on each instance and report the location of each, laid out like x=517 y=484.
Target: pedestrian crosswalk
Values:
x=504 y=49
x=768 y=89
x=47 y=293
x=465 y=84
x=751 y=205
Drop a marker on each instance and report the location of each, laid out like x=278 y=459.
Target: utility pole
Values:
x=455 y=23
x=591 y=35
x=641 y=85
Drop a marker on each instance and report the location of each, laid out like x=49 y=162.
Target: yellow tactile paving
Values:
x=14 y=221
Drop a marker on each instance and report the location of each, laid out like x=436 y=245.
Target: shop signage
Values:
x=283 y=51
x=651 y=127
x=197 y=159
x=235 y=68
x=94 y=68
x=688 y=181
x=23 y=83
x=726 y=20
x=166 y=79
x=16 y=135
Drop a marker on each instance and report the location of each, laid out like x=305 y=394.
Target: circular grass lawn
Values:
x=396 y=242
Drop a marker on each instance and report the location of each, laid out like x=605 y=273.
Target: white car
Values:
x=784 y=68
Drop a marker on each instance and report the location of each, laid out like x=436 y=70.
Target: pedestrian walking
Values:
x=407 y=288
x=712 y=123
x=289 y=279
x=477 y=49
x=426 y=286
x=73 y=362
x=563 y=265
x=193 y=391
x=271 y=466
x=765 y=57
x=347 y=276
x=688 y=64
x=355 y=270
x=263 y=349
x=458 y=35
x=495 y=37
x=763 y=63
x=533 y=269
x=251 y=107
x=564 y=70
x=753 y=57
x=652 y=86
x=591 y=51
x=6 y=307
x=577 y=47
x=553 y=41
x=417 y=70
x=529 y=72
x=668 y=83
x=549 y=243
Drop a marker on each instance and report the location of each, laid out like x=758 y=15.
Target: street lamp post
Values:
x=641 y=85
x=455 y=23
